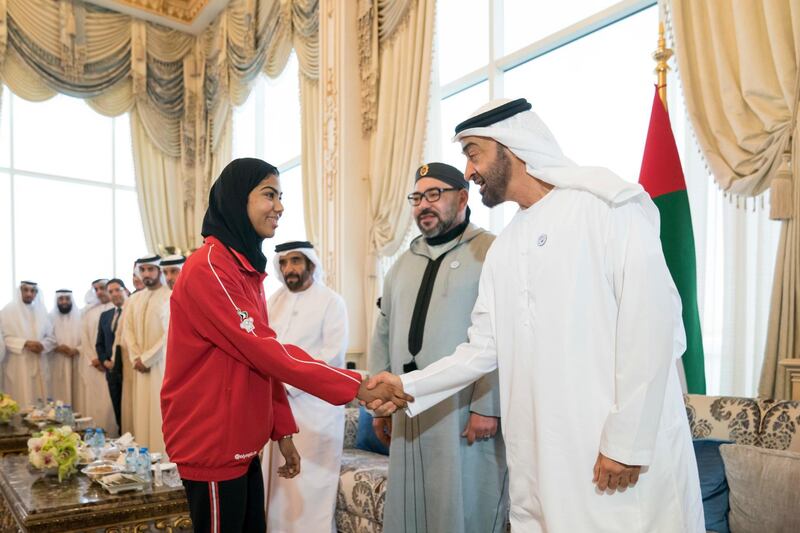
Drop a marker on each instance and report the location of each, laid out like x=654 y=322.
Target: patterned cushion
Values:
x=350 y=427
x=765 y=423
x=362 y=490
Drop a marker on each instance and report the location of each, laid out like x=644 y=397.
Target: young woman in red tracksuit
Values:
x=222 y=397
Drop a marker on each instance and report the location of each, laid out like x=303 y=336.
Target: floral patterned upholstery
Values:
x=362 y=484
x=766 y=423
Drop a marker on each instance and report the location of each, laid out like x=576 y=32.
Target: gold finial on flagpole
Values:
x=661 y=56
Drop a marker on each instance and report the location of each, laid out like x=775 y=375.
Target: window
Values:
x=572 y=61
x=267 y=126
x=69 y=210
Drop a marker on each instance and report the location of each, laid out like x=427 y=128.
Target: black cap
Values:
x=492 y=116
x=293 y=245
x=443 y=172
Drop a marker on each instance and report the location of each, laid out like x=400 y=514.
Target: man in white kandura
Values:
x=143 y=334
x=306 y=313
x=92 y=396
x=66 y=320
x=27 y=333
x=578 y=312
x=171 y=266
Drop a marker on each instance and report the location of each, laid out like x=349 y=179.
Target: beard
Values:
x=446 y=221
x=496 y=179
x=64 y=309
x=294 y=282
x=150 y=282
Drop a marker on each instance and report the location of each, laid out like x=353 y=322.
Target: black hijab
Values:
x=226 y=217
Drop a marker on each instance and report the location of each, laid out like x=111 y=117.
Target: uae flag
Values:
x=662 y=177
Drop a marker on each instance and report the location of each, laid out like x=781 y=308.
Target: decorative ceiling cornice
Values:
x=190 y=16
x=180 y=10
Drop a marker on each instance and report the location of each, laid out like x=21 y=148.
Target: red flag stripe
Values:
x=661 y=171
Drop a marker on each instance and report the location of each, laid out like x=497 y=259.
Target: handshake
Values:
x=383 y=393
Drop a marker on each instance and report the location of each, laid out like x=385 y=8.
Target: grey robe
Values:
x=437 y=482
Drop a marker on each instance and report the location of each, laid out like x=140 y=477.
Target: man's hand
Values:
x=109 y=364
x=34 y=346
x=74 y=352
x=138 y=365
x=383 y=429
x=63 y=349
x=383 y=393
x=96 y=363
x=610 y=474
x=480 y=427
x=292 y=466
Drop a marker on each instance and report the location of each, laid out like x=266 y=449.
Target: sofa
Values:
x=362 y=484
x=765 y=424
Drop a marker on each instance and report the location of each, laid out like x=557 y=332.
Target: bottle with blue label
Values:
x=59 y=414
x=88 y=436
x=131 y=460
x=99 y=440
x=143 y=470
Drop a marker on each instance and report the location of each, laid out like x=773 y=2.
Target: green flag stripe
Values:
x=677 y=240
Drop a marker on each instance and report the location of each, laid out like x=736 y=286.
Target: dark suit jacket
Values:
x=105 y=341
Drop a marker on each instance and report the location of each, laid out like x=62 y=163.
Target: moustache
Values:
x=427 y=212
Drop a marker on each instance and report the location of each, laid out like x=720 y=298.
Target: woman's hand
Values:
x=292 y=466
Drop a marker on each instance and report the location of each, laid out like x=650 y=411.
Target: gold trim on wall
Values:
x=184 y=11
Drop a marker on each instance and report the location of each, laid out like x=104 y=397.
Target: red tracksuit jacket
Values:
x=222 y=396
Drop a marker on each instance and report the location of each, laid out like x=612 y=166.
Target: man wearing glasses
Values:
x=447 y=468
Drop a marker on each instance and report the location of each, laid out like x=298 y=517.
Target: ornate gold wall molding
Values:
x=184 y=11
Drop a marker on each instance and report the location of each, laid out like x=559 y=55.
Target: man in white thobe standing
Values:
x=306 y=313
x=171 y=266
x=28 y=338
x=143 y=334
x=577 y=310
x=66 y=320
x=93 y=398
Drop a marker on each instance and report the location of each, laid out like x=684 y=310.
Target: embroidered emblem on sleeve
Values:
x=247 y=323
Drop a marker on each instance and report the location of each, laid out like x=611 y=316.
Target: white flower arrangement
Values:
x=55 y=448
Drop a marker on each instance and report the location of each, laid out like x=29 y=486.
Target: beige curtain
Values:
x=180 y=87
x=167 y=218
x=160 y=191
x=310 y=151
x=738 y=63
x=396 y=146
x=378 y=22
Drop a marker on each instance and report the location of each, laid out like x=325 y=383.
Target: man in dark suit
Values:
x=108 y=351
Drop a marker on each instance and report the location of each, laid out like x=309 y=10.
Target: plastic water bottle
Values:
x=143 y=470
x=131 y=459
x=88 y=436
x=99 y=440
x=39 y=403
x=68 y=416
x=59 y=414
x=158 y=478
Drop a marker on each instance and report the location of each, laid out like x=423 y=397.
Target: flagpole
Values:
x=661 y=56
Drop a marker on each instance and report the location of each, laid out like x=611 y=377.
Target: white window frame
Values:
x=13 y=172
x=499 y=63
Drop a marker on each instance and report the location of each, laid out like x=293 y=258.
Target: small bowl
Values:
x=98 y=469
